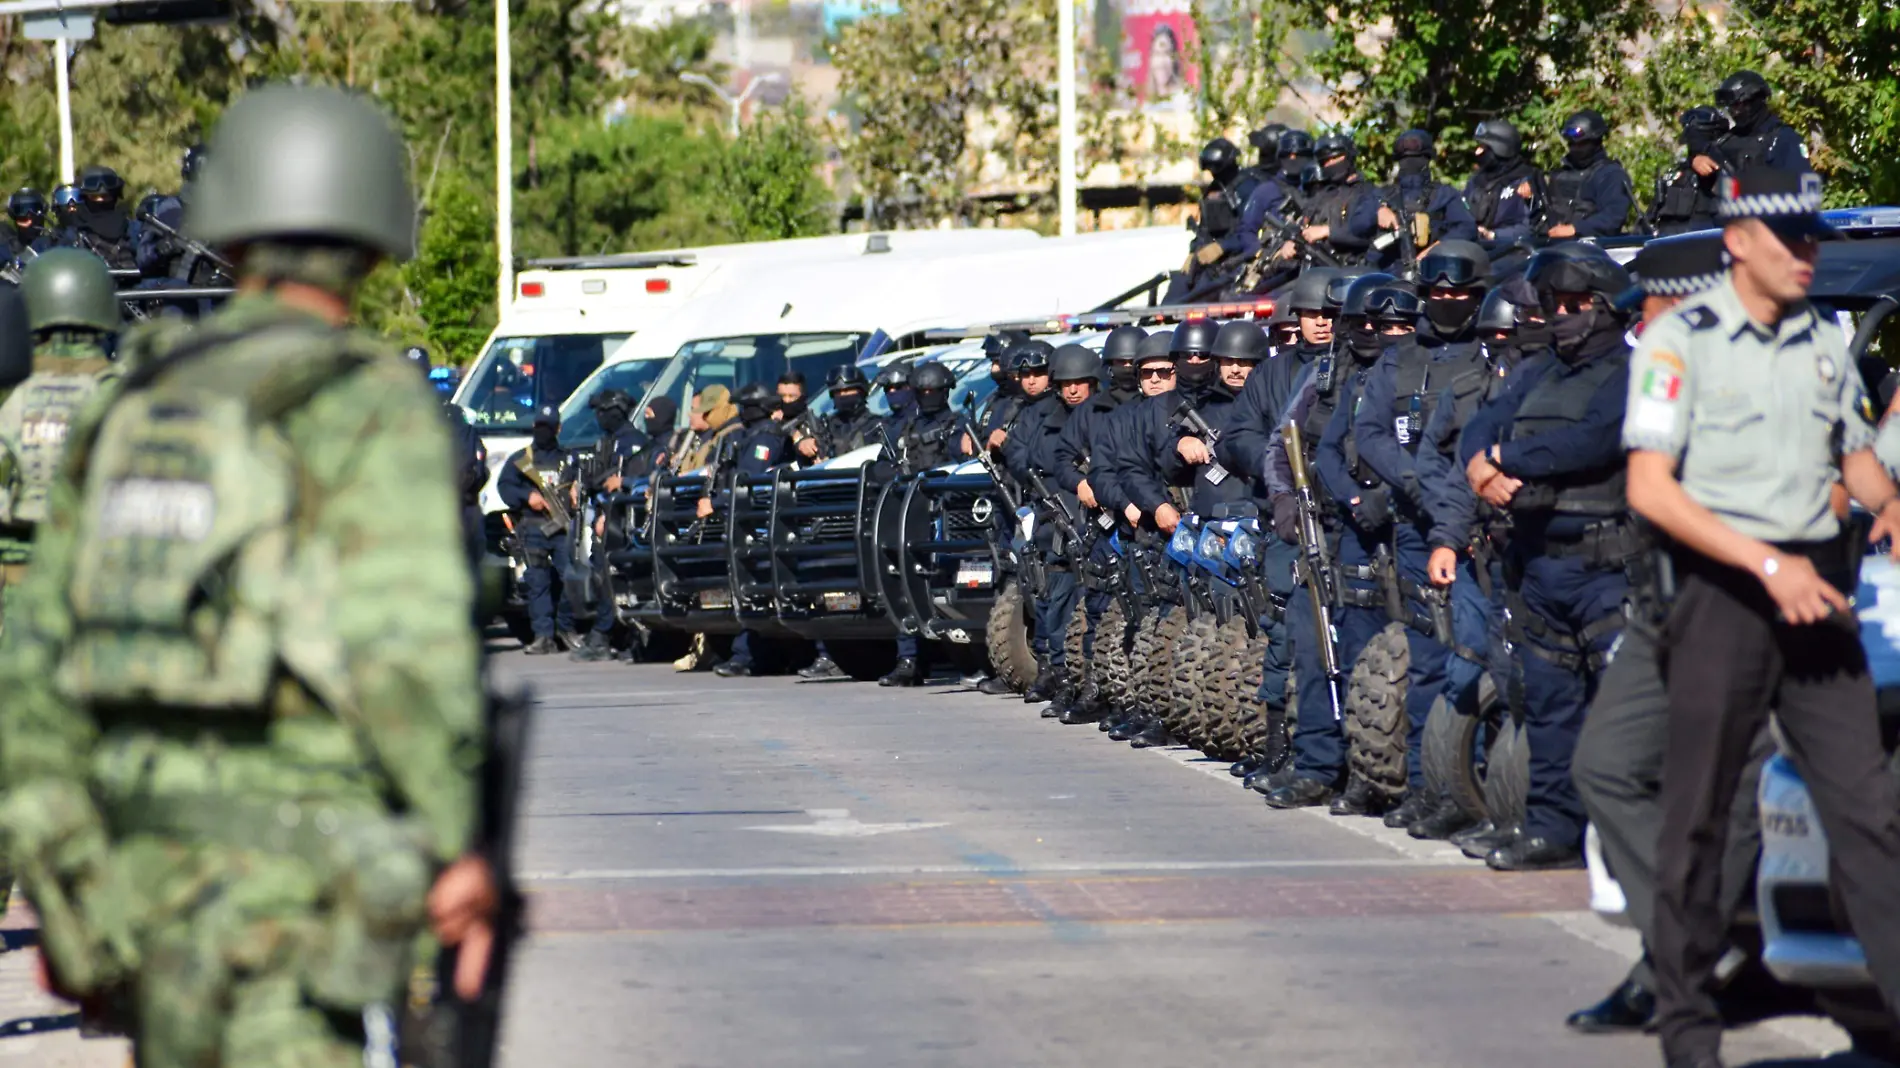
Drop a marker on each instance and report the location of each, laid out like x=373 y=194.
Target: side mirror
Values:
x=16 y=341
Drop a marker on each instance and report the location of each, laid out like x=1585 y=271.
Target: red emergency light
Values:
x=532 y=289
x=658 y=285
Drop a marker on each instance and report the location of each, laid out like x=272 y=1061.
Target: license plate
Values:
x=715 y=598
x=842 y=602
x=976 y=573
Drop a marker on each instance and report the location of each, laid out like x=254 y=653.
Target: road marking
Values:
x=1105 y=867
x=837 y=823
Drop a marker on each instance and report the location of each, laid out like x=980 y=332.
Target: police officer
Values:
x=1504 y=191
x=1022 y=444
x=1751 y=376
x=1238 y=349
x=1283 y=171
x=1756 y=137
x=932 y=437
x=1074 y=372
x=533 y=486
x=1685 y=198
x=1548 y=449
x=168 y=255
x=1340 y=210
x=65 y=209
x=1218 y=234
x=373 y=794
x=1618 y=763
x=1266 y=145
x=755 y=448
x=471 y=463
x=1082 y=469
x=1000 y=406
x=850 y=425
x=1428 y=209
x=1401 y=395
x=1589 y=194
x=99 y=223
x=662 y=413
x=26 y=210
x=1355 y=521
x=898 y=398
x=606 y=472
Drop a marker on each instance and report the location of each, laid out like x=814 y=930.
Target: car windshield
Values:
x=734 y=362
x=519 y=374
x=578 y=425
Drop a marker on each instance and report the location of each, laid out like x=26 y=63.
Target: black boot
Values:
x=1049 y=682
x=542 y=646
x=1154 y=734
x=1080 y=711
x=1247 y=765
x=1265 y=781
x=1415 y=807
x=734 y=669
x=907 y=673
x=822 y=670
x=995 y=686
x=1442 y=822
x=1630 y=1007
x=1130 y=725
x=1480 y=845
x=593 y=647
x=1526 y=853
x=1358 y=799
x=1063 y=700
x=1300 y=793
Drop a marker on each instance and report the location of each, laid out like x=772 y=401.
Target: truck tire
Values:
x=1453 y=758
x=1223 y=710
x=1111 y=657
x=1167 y=633
x=1078 y=668
x=1507 y=780
x=1246 y=696
x=1007 y=638
x=1375 y=711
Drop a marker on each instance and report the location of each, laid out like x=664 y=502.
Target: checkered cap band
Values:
x=1739 y=202
x=1685 y=286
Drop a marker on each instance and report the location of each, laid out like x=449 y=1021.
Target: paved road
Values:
x=764 y=873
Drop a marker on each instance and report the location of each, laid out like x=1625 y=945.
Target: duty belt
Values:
x=1535 y=634
x=1351 y=597
x=297 y=828
x=1607 y=544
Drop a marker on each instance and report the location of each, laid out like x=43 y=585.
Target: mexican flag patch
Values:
x=761 y=452
x=1661 y=385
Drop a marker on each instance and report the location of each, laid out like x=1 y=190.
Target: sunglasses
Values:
x=1157 y=372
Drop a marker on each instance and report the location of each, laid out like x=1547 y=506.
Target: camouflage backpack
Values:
x=34 y=423
x=190 y=587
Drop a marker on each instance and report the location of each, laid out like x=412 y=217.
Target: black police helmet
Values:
x=1030 y=356
x=932 y=376
x=1586 y=125
x=1741 y=89
x=1414 y=143
x=1340 y=283
x=612 y=398
x=997 y=345
x=1394 y=303
x=547 y=415
x=1574 y=267
x=66 y=197
x=1295 y=143
x=1220 y=157
x=846 y=376
x=100 y=181
x=1193 y=338
x=1459 y=264
x=1705 y=119
x=755 y=395
x=1156 y=346
x=1266 y=140
x=26 y=204
x=195 y=157
x=896 y=376
x=1336 y=143
x=1500 y=137
x=1241 y=340
x=1308 y=292
x=1352 y=304
x=1075 y=363
x=1496 y=313
x=1122 y=343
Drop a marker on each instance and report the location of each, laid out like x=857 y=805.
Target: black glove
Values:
x=1374 y=509
x=1286 y=518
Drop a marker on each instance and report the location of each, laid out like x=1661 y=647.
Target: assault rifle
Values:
x=559 y=516
x=1005 y=483
x=1263 y=272
x=1315 y=567
x=1404 y=236
x=191 y=245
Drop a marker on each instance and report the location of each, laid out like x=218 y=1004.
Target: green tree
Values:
x=765 y=185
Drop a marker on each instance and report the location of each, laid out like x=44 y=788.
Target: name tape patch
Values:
x=163 y=509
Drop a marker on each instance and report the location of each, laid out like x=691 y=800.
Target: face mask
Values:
x=108 y=223
x=1193 y=376
x=1450 y=317
x=752 y=413
x=1001 y=378
x=1489 y=162
x=546 y=438
x=848 y=404
x=1580 y=153
x=611 y=420
x=1744 y=116
x=1364 y=341
x=658 y=427
x=1121 y=376
x=932 y=401
x=1569 y=332
x=1698 y=140
x=901 y=399
x=1414 y=166
x=1531 y=337
x=1337 y=170
x=1291 y=169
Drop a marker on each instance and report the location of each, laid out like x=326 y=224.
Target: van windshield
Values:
x=632 y=377
x=734 y=362
x=519 y=374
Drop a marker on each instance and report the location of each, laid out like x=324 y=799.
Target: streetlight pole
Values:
x=504 y=164
x=63 y=84
x=735 y=103
x=1066 y=135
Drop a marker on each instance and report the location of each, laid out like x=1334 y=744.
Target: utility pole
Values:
x=1066 y=138
x=504 y=163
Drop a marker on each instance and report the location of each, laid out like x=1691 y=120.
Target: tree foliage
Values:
x=765 y=186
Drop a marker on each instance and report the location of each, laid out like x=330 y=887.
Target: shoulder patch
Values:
x=1665 y=358
x=1867 y=413
x=1701 y=317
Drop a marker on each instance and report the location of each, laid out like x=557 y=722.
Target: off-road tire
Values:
x=1167 y=635
x=1507 y=781
x=1222 y=711
x=1376 y=724
x=1194 y=657
x=1111 y=656
x=1454 y=764
x=1007 y=638
x=1077 y=667
x=1251 y=710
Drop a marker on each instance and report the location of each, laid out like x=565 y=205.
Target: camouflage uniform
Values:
x=244 y=711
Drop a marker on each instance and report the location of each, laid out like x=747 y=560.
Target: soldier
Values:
x=1744 y=412
x=1428 y=209
x=713 y=419
x=1756 y=136
x=26 y=210
x=1548 y=450
x=933 y=436
x=1589 y=194
x=1618 y=762
x=99 y=224
x=606 y=473
x=1504 y=192
x=1685 y=198
x=321 y=842
x=532 y=485
x=755 y=448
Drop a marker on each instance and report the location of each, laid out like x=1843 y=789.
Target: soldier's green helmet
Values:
x=310 y=162
x=72 y=288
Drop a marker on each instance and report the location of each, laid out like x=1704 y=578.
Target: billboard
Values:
x=1157 y=49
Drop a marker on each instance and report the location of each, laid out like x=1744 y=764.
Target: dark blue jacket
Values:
x=1606 y=187
x=1220 y=408
x=513 y=487
x=1081 y=444
x=1334 y=469
x=1374 y=426
x=1453 y=507
x=1024 y=443
x=1494 y=195
x=1259 y=411
x=1268 y=204
x=754 y=450
x=1770 y=143
x=1451 y=217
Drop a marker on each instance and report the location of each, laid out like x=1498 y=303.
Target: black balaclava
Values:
x=1363 y=339
x=611 y=419
x=1570 y=335
x=1490 y=162
x=753 y=412
x=793 y=410
x=1123 y=377
x=1451 y=318
x=900 y=400
x=546 y=438
x=932 y=401
x=1337 y=170
x=665 y=411
x=848 y=404
x=107 y=222
x=1581 y=154
x=1194 y=378
x=1415 y=170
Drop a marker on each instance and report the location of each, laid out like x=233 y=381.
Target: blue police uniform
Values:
x=544 y=577
x=1083 y=438
x=1030 y=448
x=1594 y=196
x=1492 y=198
x=1451 y=218
x=1558 y=427
x=1270 y=202
x=613 y=455
x=758 y=447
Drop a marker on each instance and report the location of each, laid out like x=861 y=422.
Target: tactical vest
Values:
x=548 y=466
x=1471 y=388
x=1566 y=202
x=1415 y=390
x=929 y=439
x=1684 y=201
x=1561 y=400
x=1412 y=205
x=1490 y=191
x=1218 y=214
x=839 y=435
x=191 y=587
x=34 y=423
x=1328 y=205
x=1745 y=152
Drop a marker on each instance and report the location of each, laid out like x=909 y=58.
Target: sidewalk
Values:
x=35 y=1027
